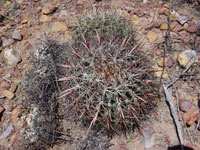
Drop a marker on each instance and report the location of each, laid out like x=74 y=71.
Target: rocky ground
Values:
x=24 y=22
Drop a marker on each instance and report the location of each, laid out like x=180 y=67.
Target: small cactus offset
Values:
x=108 y=82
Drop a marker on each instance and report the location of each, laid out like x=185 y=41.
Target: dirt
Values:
x=26 y=16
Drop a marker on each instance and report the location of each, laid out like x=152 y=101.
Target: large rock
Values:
x=12 y=56
x=187 y=57
x=59 y=26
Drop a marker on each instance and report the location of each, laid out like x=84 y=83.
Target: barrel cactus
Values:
x=108 y=82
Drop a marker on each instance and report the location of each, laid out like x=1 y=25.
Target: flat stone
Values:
x=7 y=42
x=59 y=26
x=187 y=57
x=16 y=35
x=164 y=26
x=182 y=20
x=12 y=56
x=8 y=94
x=151 y=36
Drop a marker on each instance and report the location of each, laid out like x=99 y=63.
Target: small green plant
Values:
x=107 y=82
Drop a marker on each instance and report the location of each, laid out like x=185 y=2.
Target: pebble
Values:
x=45 y=18
x=182 y=20
x=151 y=36
x=16 y=35
x=12 y=56
x=8 y=94
x=192 y=28
x=164 y=26
x=16 y=112
x=134 y=18
x=13 y=87
x=169 y=62
x=24 y=21
x=191 y=116
x=160 y=62
x=163 y=11
x=158 y=72
x=4 y=85
x=186 y=57
x=7 y=42
x=46 y=11
x=191 y=84
x=184 y=104
x=59 y=26
x=148 y=133
x=177 y=28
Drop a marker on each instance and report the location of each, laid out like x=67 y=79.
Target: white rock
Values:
x=182 y=19
x=12 y=56
x=8 y=42
x=148 y=133
x=17 y=35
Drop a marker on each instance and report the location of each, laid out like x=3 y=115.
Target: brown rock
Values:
x=166 y=6
x=59 y=26
x=24 y=21
x=46 y=11
x=17 y=73
x=151 y=36
x=191 y=116
x=134 y=18
x=164 y=26
x=8 y=94
x=177 y=28
x=169 y=62
x=13 y=87
x=160 y=62
x=192 y=29
x=4 y=85
x=15 y=114
x=184 y=105
x=191 y=84
x=163 y=11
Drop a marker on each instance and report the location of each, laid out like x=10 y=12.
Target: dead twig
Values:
x=171 y=104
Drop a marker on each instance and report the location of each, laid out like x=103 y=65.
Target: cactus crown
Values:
x=107 y=82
